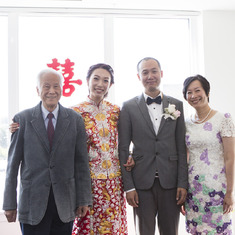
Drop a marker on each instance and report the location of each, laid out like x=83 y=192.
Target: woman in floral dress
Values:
x=210 y=142
x=108 y=214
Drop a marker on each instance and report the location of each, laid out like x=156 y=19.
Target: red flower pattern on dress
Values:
x=108 y=214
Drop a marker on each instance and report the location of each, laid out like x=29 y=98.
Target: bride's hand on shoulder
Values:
x=13 y=127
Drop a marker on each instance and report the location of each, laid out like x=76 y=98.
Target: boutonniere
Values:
x=171 y=112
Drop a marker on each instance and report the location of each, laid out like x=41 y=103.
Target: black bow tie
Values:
x=157 y=100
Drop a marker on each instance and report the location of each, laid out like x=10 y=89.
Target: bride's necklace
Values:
x=196 y=120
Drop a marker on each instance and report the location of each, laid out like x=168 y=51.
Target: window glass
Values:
x=43 y=38
x=4 y=133
x=164 y=39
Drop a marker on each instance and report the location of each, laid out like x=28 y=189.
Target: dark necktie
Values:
x=157 y=100
x=50 y=128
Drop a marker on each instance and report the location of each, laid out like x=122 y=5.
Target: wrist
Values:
x=229 y=192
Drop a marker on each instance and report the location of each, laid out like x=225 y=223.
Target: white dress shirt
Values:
x=155 y=112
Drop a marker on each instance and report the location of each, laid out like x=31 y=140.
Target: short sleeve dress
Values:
x=207 y=179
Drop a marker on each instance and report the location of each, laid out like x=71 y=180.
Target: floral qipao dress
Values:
x=207 y=179
x=108 y=214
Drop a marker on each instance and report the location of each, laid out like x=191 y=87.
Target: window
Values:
x=167 y=40
x=119 y=39
x=43 y=38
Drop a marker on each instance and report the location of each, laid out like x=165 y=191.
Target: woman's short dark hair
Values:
x=100 y=66
x=205 y=84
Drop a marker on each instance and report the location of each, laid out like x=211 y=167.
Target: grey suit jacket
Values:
x=65 y=168
x=164 y=152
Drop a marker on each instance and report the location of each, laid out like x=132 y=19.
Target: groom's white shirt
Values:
x=155 y=112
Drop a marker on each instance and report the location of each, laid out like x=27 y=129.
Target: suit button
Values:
x=51 y=167
x=157 y=153
x=156 y=139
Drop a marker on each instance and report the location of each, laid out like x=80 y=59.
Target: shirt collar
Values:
x=45 y=112
x=146 y=96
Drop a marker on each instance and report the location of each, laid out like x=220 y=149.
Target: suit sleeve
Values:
x=125 y=136
x=181 y=149
x=15 y=157
x=82 y=171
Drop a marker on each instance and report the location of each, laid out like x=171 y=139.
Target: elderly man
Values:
x=50 y=150
x=154 y=123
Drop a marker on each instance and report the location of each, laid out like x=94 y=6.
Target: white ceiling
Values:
x=194 y=5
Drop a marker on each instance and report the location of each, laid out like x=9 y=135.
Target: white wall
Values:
x=219 y=58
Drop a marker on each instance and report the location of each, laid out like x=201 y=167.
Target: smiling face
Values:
x=49 y=90
x=150 y=75
x=196 y=95
x=99 y=84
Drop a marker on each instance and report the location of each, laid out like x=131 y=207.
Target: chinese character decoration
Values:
x=67 y=72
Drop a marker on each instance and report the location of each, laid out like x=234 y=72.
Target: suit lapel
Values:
x=165 y=103
x=144 y=111
x=39 y=126
x=61 y=127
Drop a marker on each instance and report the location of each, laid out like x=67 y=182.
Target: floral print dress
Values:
x=207 y=179
x=108 y=213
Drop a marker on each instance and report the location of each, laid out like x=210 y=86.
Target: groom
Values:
x=156 y=186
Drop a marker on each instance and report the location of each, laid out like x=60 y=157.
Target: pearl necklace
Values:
x=199 y=122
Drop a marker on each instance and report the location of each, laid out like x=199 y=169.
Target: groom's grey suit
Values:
x=163 y=152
